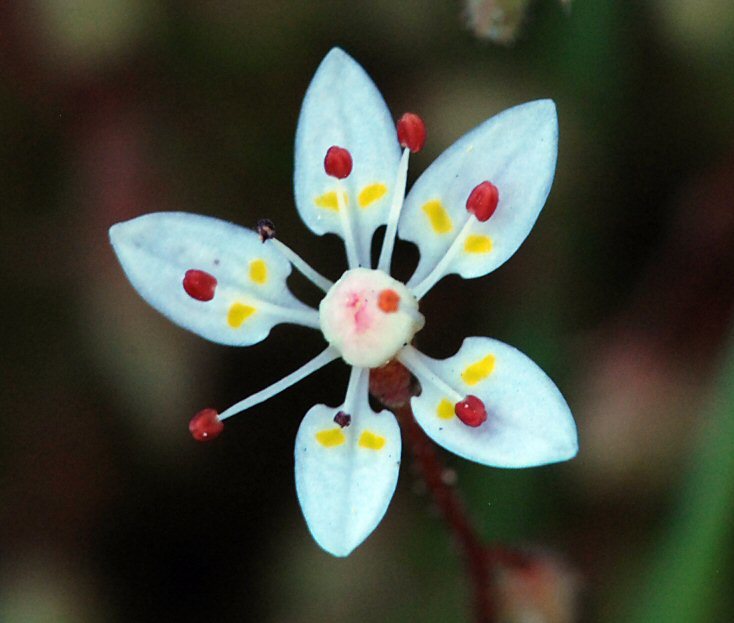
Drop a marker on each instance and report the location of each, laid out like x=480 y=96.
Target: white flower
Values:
x=467 y=214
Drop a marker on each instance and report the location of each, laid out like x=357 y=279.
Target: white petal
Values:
x=343 y=107
x=528 y=421
x=156 y=251
x=516 y=151
x=345 y=477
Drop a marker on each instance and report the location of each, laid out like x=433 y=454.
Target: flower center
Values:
x=368 y=317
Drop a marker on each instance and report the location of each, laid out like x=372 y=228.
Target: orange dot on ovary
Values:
x=388 y=301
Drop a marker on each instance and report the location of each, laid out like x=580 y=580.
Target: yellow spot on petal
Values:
x=329 y=201
x=371 y=441
x=330 y=438
x=371 y=193
x=445 y=410
x=478 y=371
x=258 y=271
x=238 y=313
x=438 y=217
x=478 y=244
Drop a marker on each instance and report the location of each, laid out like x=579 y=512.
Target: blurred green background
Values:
x=623 y=293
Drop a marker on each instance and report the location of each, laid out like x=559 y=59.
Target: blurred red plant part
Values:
x=48 y=47
x=652 y=368
x=499 y=21
x=103 y=119
x=63 y=472
x=116 y=179
x=538 y=587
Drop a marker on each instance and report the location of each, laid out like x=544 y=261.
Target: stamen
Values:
x=471 y=411
x=356 y=385
x=318 y=362
x=481 y=205
x=338 y=162
x=301 y=265
x=483 y=200
x=415 y=362
x=398 y=196
x=199 y=285
x=306 y=317
x=342 y=419
x=265 y=229
x=350 y=242
x=411 y=132
x=206 y=425
x=440 y=269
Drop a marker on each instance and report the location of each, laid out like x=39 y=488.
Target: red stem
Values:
x=393 y=385
x=476 y=556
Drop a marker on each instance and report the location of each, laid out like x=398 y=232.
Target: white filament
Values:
x=318 y=362
x=398 y=196
x=414 y=360
x=440 y=269
x=306 y=317
x=356 y=380
x=301 y=265
x=350 y=243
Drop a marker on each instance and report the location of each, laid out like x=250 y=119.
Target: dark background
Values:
x=623 y=293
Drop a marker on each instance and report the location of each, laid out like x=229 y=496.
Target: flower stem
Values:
x=475 y=555
x=393 y=386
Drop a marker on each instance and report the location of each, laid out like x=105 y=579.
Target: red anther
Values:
x=412 y=132
x=342 y=419
x=206 y=425
x=199 y=285
x=388 y=301
x=471 y=411
x=338 y=162
x=483 y=200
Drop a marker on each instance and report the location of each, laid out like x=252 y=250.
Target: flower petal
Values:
x=208 y=276
x=343 y=107
x=516 y=151
x=346 y=476
x=528 y=421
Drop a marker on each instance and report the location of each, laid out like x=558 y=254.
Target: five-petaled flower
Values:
x=467 y=214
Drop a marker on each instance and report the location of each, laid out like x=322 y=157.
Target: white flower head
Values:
x=467 y=213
